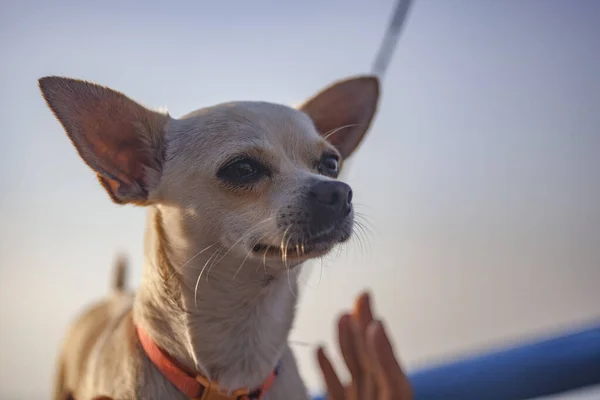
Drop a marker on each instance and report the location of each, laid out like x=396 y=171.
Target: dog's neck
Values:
x=232 y=330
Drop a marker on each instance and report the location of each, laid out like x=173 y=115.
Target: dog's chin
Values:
x=295 y=252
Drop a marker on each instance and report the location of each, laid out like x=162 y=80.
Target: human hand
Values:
x=369 y=356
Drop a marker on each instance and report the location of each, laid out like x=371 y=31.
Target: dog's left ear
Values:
x=343 y=112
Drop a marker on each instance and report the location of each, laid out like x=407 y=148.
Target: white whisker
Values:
x=290 y=283
x=287 y=243
x=190 y=260
x=282 y=249
x=320 y=271
x=334 y=131
x=245 y=258
x=245 y=234
x=200 y=276
x=215 y=261
x=300 y=343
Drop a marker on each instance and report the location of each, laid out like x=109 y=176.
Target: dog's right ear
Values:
x=121 y=140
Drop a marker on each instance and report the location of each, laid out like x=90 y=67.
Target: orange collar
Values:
x=195 y=387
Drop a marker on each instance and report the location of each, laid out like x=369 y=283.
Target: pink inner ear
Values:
x=118 y=138
x=119 y=146
x=118 y=150
x=343 y=112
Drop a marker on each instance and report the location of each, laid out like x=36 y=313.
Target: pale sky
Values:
x=481 y=175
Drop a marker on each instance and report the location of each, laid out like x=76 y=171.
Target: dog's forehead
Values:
x=270 y=124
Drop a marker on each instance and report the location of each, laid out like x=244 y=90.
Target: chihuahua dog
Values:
x=239 y=195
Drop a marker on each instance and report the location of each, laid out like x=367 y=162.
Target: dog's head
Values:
x=259 y=178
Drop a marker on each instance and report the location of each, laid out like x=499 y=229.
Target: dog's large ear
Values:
x=343 y=111
x=118 y=138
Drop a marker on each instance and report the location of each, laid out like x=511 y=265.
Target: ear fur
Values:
x=343 y=111
x=121 y=140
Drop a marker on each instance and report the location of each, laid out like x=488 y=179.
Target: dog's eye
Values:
x=329 y=165
x=242 y=171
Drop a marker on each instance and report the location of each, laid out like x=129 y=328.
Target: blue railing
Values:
x=551 y=366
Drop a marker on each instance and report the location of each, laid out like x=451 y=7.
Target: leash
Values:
x=390 y=39
x=384 y=53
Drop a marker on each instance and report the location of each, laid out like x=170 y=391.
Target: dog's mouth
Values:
x=301 y=250
x=292 y=251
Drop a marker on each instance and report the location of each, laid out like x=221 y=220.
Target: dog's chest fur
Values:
x=116 y=365
x=288 y=385
x=240 y=336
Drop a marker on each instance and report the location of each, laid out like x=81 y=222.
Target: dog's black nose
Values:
x=329 y=201
x=334 y=194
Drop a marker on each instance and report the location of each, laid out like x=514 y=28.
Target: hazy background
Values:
x=481 y=175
